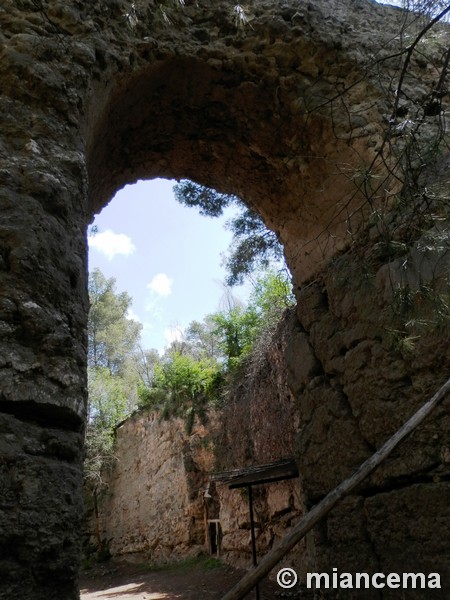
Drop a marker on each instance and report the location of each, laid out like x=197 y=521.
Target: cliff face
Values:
x=154 y=501
x=259 y=424
x=362 y=380
x=299 y=115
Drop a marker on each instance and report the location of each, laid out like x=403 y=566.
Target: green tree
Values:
x=236 y=329
x=253 y=245
x=202 y=339
x=271 y=295
x=142 y=364
x=112 y=337
x=191 y=375
x=107 y=397
x=240 y=327
x=112 y=382
x=183 y=386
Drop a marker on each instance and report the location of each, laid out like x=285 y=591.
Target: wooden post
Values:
x=320 y=510
x=252 y=529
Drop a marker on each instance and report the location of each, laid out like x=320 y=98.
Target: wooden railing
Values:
x=317 y=513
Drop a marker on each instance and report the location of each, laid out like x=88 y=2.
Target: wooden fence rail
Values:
x=317 y=513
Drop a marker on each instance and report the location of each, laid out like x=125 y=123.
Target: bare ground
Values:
x=198 y=580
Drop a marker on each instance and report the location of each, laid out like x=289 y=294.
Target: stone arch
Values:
x=256 y=114
x=91 y=100
x=187 y=118
x=183 y=118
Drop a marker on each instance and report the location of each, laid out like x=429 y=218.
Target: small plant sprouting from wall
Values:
x=399 y=211
x=170 y=13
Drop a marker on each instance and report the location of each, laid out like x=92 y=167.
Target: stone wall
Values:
x=358 y=385
x=259 y=424
x=153 y=504
x=288 y=114
x=154 y=507
x=319 y=390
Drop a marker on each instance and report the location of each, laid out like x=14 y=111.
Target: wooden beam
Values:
x=323 y=508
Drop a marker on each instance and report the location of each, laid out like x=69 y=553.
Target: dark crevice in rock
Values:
x=47 y=415
x=402 y=482
x=346 y=401
x=5 y=262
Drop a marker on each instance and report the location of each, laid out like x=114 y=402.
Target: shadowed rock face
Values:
x=93 y=96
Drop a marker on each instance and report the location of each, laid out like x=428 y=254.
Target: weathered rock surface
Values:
x=287 y=114
x=154 y=499
x=258 y=425
x=367 y=387
x=40 y=481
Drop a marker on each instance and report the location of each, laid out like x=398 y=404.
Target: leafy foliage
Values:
x=183 y=386
x=107 y=406
x=107 y=398
x=271 y=295
x=113 y=340
x=202 y=339
x=253 y=246
x=236 y=329
x=112 y=337
x=242 y=330
x=209 y=202
x=194 y=372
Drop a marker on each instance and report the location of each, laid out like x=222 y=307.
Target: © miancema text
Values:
x=376 y=580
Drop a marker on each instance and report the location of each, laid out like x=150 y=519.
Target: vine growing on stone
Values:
x=401 y=198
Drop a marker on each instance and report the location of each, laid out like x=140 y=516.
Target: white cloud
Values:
x=132 y=316
x=110 y=243
x=161 y=285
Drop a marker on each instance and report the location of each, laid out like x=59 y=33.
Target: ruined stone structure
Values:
x=288 y=112
x=154 y=502
x=163 y=470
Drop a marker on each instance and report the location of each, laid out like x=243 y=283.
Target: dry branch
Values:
x=323 y=508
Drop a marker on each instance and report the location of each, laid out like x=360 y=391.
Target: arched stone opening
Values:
x=258 y=115
x=184 y=118
x=234 y=126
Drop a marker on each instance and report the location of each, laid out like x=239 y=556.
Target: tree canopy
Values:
x=112 y=336
x=253 y=246
x=194 y=372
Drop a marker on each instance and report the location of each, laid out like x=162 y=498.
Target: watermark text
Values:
x=287 y=578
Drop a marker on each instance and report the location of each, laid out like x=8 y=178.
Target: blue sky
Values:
x=165 y=255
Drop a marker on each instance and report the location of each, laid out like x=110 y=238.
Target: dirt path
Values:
x=198 y=581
